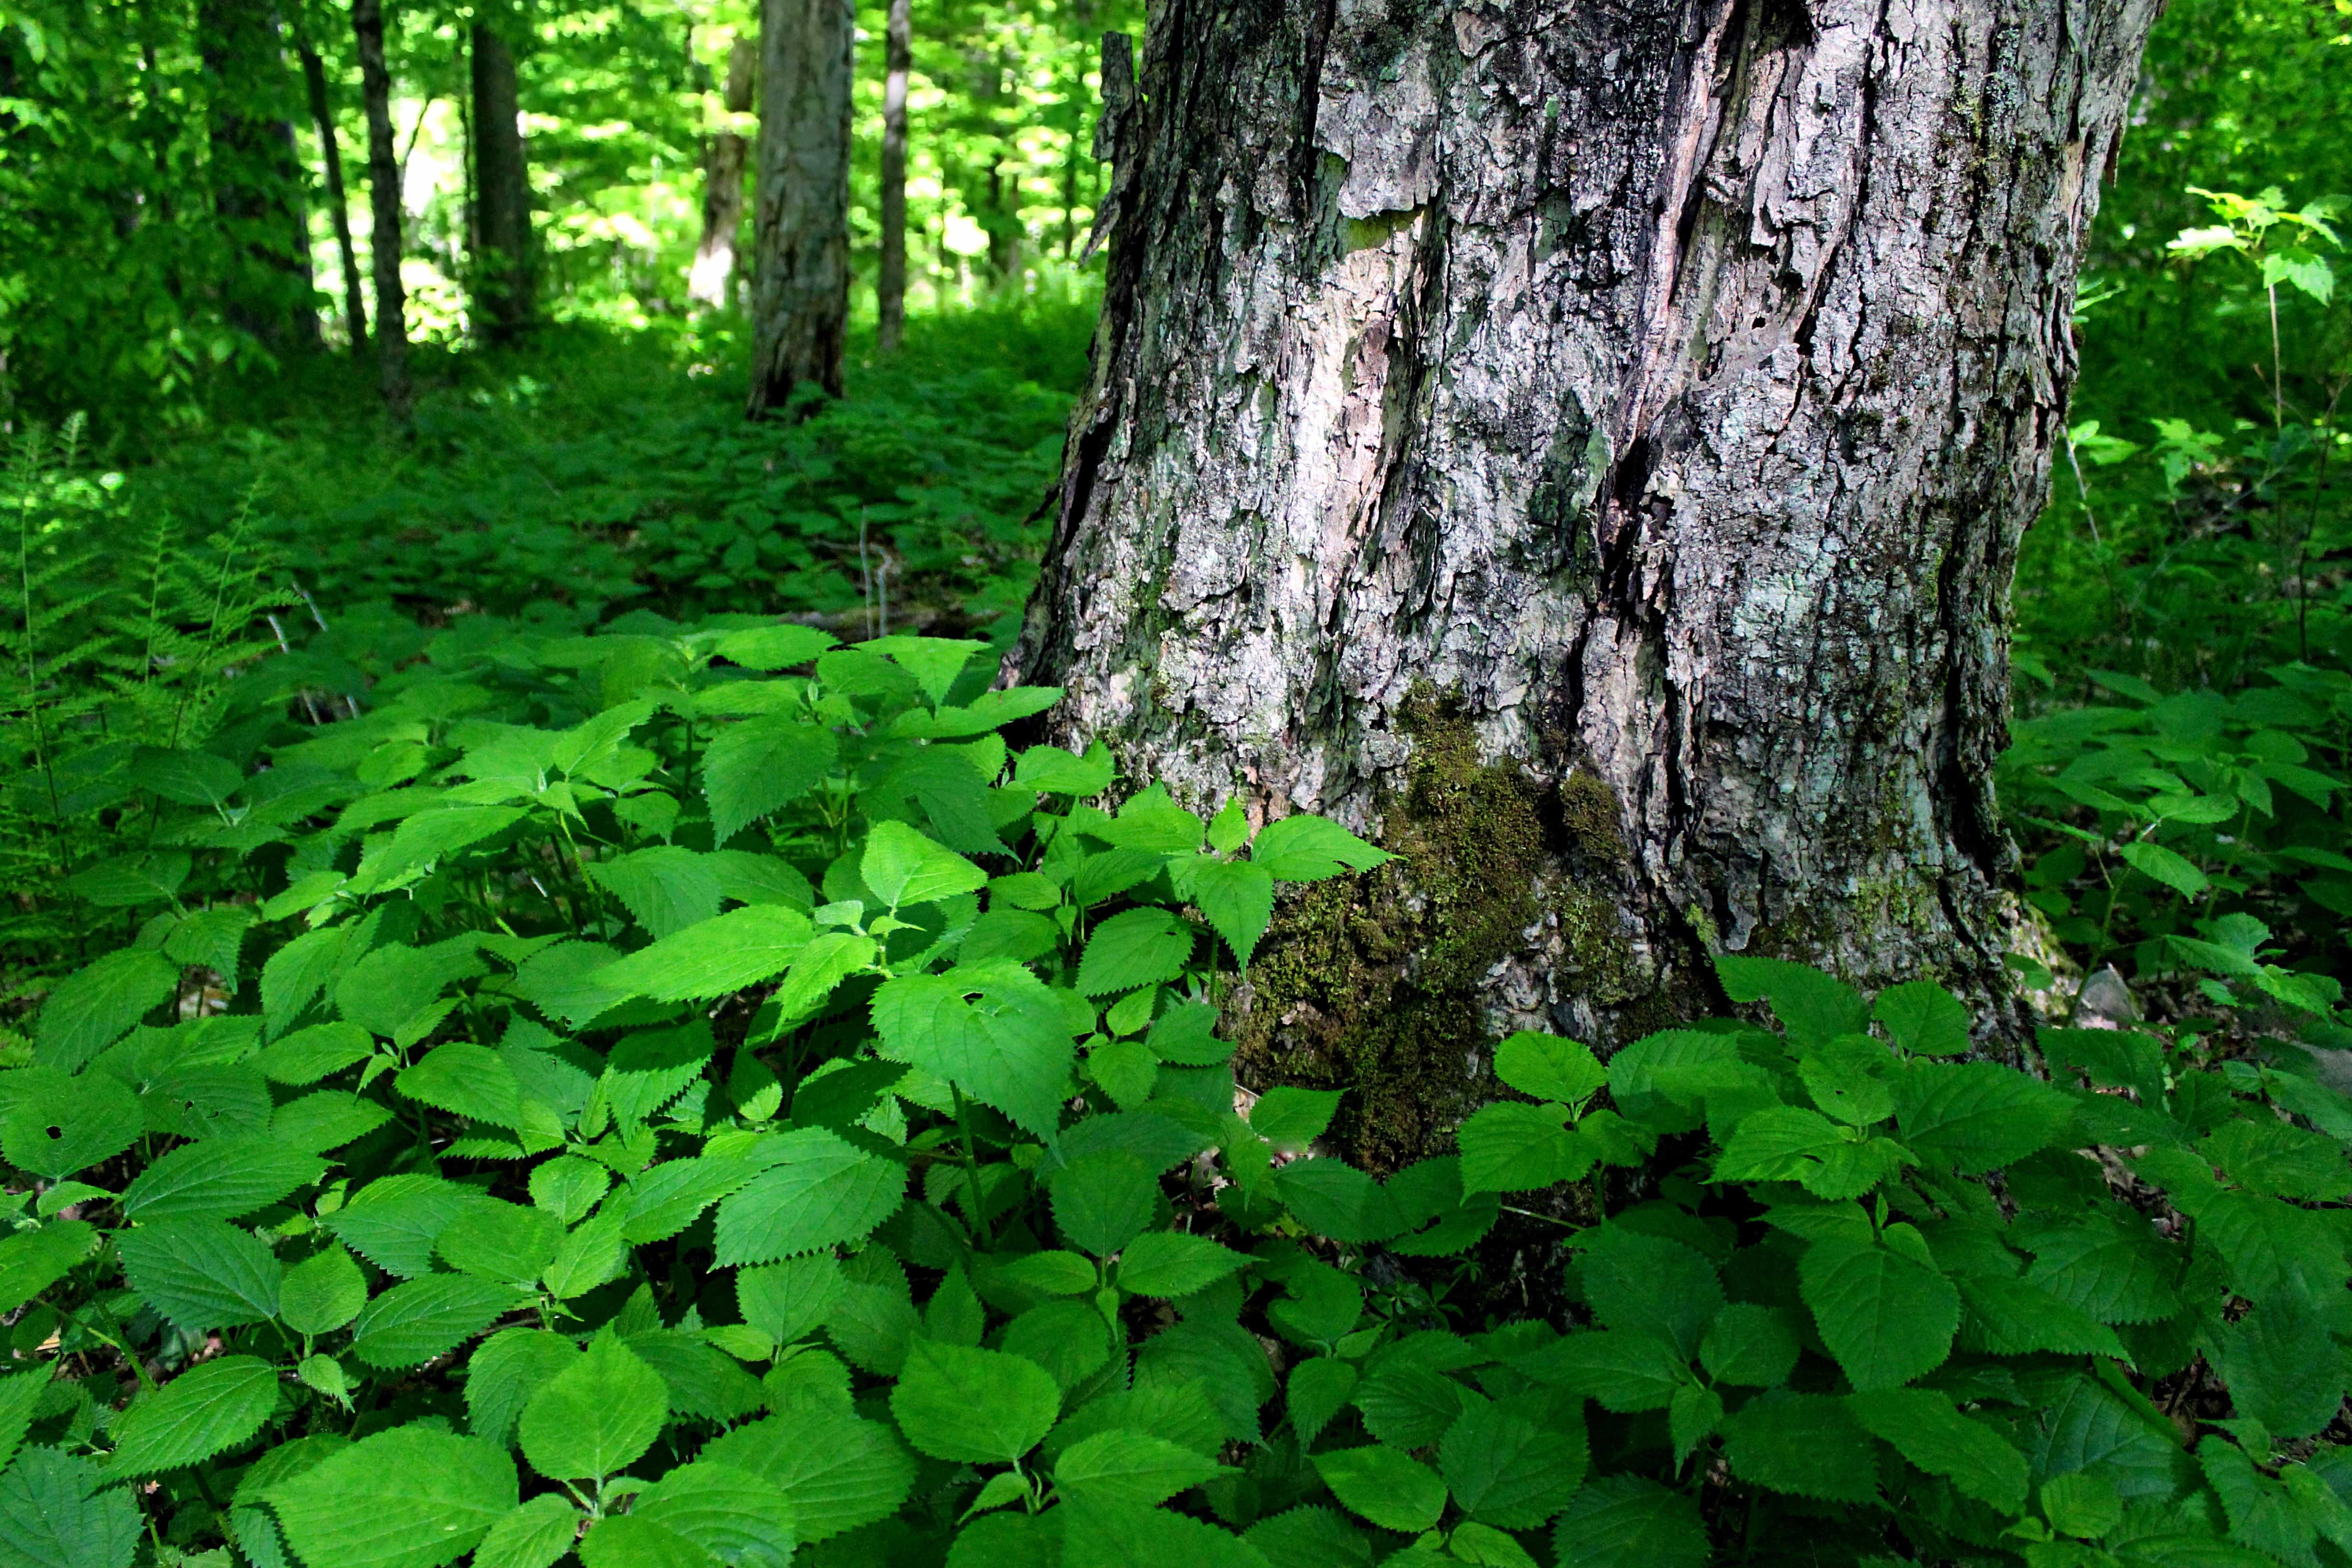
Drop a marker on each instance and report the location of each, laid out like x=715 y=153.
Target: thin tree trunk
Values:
x=331 y=154
x=890 y=281
x=502 y=260
x=800 y=230
x=384 y=202
x=1585 y=448
x=711 y=280
x=257 y=175
x=1003 y=227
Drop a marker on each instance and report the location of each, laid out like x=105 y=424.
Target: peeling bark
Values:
x=1662 y=384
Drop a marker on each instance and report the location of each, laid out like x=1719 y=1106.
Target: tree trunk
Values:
x=711 y=279
x=257 y=175
x=890 y=282
x=383 y=202
x=502 y=260
x=800 y=310
x=1586 y=447
x=331 y=154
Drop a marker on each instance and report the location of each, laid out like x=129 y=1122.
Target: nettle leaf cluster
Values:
x=700 y=1096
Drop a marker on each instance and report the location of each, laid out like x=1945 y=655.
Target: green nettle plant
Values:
x=619 y=1101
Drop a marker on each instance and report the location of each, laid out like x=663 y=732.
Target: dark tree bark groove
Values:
x=384 y=205
x=503 y=294
x=799 y=307
x=1641 y=402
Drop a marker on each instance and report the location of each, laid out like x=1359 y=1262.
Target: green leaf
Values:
x=1632 y=1522
x=1392 y=1490
x=2175 y=870
x=1812 y=1007
x=904 y=868
x=297 y=973
x=33 y=1260
x=409 y=1498
x=533 y=1536
x=1649 y=1283
x=2112 y=1269
x=568 y=1186
x=715 y=959
x=1114 y=1535
x=1135 y=948
x=1925 y=1427
x=128 y=880
x=54 y=1514
x=759 y=765
x=20 y=1396
x=820 y=1192
x=1236 y=897
x=416 y=1321
x=1293 y=1118
x=1627 y=1372
x=1807 y=1443
x=1513 y=1147
x=1168 y=1263
x=1923 y=1019
x=393 y=1221
x=664 y=889
x=770 y=648
x=2280 y=1367
x=979 y=1407
x=836 y=1471
x=1051 y=771
x=625 y=1540
x=735 y=1516
x=503 y=1374
x=1548 y=1067
x=220 y=1178
x=934 y=662
x=466 y=1080
x=1104 y=1201
x=1507 y=1470
x=594 y=1418
x=2010 y=1317
x=1977 y=1116
x=1311 y=1538
x=1331 y=1198
x=309 y=1054
x=1886 y=1317
x=1407 y=1405
x=214 y=1405
x=1749 y=1346
x=1318 y=1390
x=96 y=1006
x=1309 y=848
x=202 y=1273
x=992 y=1030
x=322 y=1293
x=60 y=1124
x=831 y=957
x=1124 y=1466
x=1784 y=1142
x=502 y=1241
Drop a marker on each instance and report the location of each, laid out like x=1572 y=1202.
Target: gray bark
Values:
x=711 y=280
x=331 y=154
x=503 y=294
x=256 y=175
x=383 y=202
x=1659 y=389
x=800 y=310
x=890 y=280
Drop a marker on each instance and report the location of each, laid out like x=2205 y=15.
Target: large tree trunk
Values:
x=799 y=294
x=890 y=281
x=711 y=279
x=502 y=269
x=1587 y=447
x=331 y=154
x=383 y=202
x=257 y=175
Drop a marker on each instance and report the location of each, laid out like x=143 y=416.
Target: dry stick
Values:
x=285 y=648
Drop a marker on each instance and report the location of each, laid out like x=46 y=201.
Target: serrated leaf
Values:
x=419 y=1318
x=2011 y=1317
x=905 y=869
x=978 y=1407
x=1331 y=1198
x=59 y=1124
x=665 y=888
x=309 y=1054
x=1319 y=1389
x=409 y=1498
x=533 y=1536
x=501 y=1241
x=821 y=1191
x=57 y=1512
x=1548 y=1067
x=33 y=1260
x=1923 y=1019
x=503 y=1374
x=1784 y=1142
x=1925 y=1427
x=770 y=648
x=2113 y=1270
x=838 y=1472
x=1627 y=1372
x=2169 y=867
x=1886 y=1317
x=393 y=1221
x=212 y=1407
x=1812 y=1007
x=991 y=1029
x=1124 y=1466
x=20 y=1394
x=759 y=765
x=1309 y=848
x=221 y=1178
x=96 y=1006
x=466 y=1080
x=1103 y=1201
x=1237 y=898
x=1507 y=1470
x=1807 y=1443
x=1513 y=1147
x=595 y=1417
x=1651 y=1284
x=1977 y=1116
x=322 y=1292
x=1135 y=947
x=202 y=1273
x=1749 y=1346
x=1632 y=1522
x=740 y=1519
x=714 y=958
x=1393 y=1491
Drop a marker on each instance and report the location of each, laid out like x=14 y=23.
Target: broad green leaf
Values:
x=769 y=648
x=466 y=1080
x=220 y=1178
x=934 y=662
x=2010 y=1317
x=214 y=1405
x=568 y=1186
x=327 y=1120
x=1052 y=771
x=1924 y=1426
x=786 y=1301
x=1632 y=1522
x=322 y=1292
x=318 y=1051
x=979 y=1407
x=128 y=880
x=1977 y=1116
x=1169 y=1263
x=1813 y=1006
x=2169 y=867
x=33 y=1260
x=1319 y=1389
x=1625 y=1371
x=1513 y=1147
x=1749 y=1345
x=56 y=1512
x=838 y=1472
x=2110 y=1269
x=1886 y=1316
x=1548 y=1067
x=202 y=1273
x=647 y=1070
x=904 y=868
x=820 y=1192
x=991 y=1029
x=1510 y=1471
x=533 y=1536
x=1293 y=1118
x=20 y=1394
x=595 y=1417
x=665 y=888
x=1784 y=1142
x=760 y=765
x=1923 y=1019
x=1129 y=1467
x=60 y=1124
x=830 y=957
x=409 y=1498
x=739 y=1518
x=1393 y=1491
x=1635 y=1280
x=419 y=1318
x=1236 y=897
x=501 y=1241
x=1104 y=1201
x=393 y=1221
x=1322 y=1537
x=1806 y=1444
x=96 y=1006
x=1135 y=948
x=1331 y=1198
x=1123 y=1535
x=2281 y=1367
x=1309 y=848
x=503 y=1374
x=715 y=959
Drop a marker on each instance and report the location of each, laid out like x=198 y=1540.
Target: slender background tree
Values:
x=502 y=261
x=711 y=280
x=383 y=201
x=800 y=305
x=890 y=276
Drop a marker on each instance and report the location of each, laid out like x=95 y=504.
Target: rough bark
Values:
x=331 y=154
x=800 y=311
x=711 y=279
x=1585 y=446
x=502 y=256
x=257 y=175
x=890 y=281
x=383 y=202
